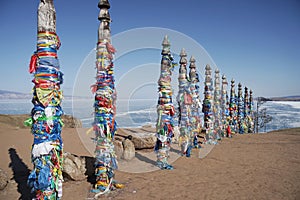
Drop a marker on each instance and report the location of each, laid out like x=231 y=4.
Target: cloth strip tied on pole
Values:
x=184 y=100
x=196 y=104
x=165 y=108
x=104 y=124
x=46 y=124
x=207 y=107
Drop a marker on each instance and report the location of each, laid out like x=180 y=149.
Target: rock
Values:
x=144 y=140
x=129 y=150
x=118 y=148
x=74 y=167
x=3 y=179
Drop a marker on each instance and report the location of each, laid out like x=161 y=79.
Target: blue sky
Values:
x=255 y=42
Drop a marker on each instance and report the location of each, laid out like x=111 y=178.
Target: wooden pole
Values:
x=165 y=108
x=47 y=149
x=105 y=105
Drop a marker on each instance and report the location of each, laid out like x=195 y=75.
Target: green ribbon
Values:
x=29 y=121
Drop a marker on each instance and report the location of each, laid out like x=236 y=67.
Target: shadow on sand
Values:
x=175 y=151
x=144 y=159
x=90 y=169
x=20 y=174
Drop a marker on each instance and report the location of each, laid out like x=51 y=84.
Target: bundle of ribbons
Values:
x=217 y=107
x=250 y=114
x=240 y=109
x=45 y=121
x=184 y=100
x=196 y=104
x=232 y=108
x=224 y=106
x=247 y=118
x=165 y=108
x=207 y=107
x=104 y=123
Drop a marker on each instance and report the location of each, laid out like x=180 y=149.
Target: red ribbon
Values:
x=48 y=54
x=94 y=88
x=32 y=65
x=110 y=48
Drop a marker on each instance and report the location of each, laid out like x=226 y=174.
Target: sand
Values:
x=252 y=166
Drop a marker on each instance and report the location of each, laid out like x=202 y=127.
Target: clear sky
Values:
x=256 y=42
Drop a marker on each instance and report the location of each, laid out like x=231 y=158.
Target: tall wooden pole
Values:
x=196 y=104
x=47 y=149
x=207 y=107
x=105 y=105
x=184 y=100
x=232 y=108
x=246 y=111
x=251 y=115
x=240 y=108
x=217 y=106
x=165 y=108
x=224 y=105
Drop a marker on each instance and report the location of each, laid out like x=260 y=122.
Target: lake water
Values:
x=136 y=113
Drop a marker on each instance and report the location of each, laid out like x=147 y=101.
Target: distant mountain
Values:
x=286 y=98
x=9 y=92
x=4 y=94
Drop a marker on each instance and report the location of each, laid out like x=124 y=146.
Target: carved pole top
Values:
x=104 y=13
x=224 y=77
x=104 y=4
x=192 y=61
x=46 y=16
x=183 y=53
x=166 y=42
x=166 y=46
x=207 y=67
x=183 y=56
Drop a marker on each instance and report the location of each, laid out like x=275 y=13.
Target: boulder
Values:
x=3 y=179
x=129 y=150
x=74 y=167
x=143 y=140
x=118 y=148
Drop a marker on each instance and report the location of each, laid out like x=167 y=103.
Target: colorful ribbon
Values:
x=165 y=109
x=46 y=124
x=207 y=108
x=195 y=123
x=104 y=123
x=232 y=109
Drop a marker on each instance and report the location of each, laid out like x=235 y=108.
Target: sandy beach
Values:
x=252 y=166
